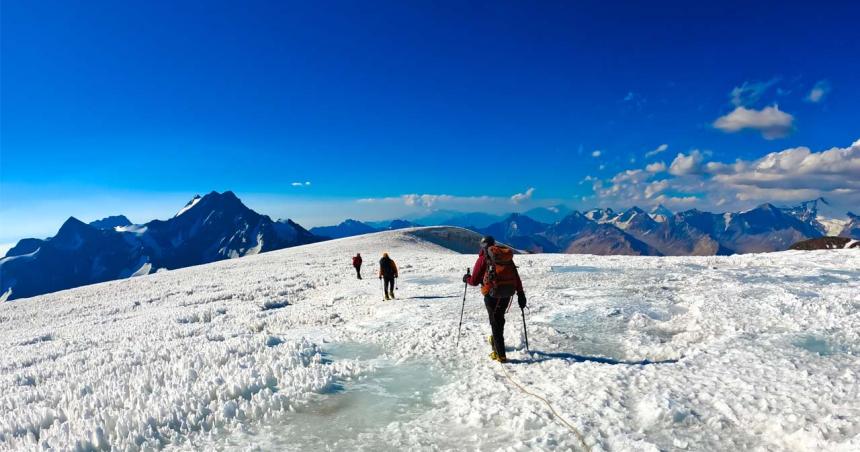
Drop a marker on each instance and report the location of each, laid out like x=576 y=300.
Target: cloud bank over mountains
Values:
x=690 y=180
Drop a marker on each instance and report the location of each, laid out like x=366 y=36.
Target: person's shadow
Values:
x=539 y=356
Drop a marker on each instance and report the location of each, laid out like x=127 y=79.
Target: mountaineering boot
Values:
x=386 y=297
x=498 y=358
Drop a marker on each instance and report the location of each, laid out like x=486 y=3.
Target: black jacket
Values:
x=387 y=268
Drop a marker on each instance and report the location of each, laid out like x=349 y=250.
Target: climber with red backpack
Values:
x=496 y=273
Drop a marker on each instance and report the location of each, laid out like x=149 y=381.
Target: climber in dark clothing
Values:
x=356 y=262
x=387 y=273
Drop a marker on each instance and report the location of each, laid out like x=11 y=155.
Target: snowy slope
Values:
x=286 y=350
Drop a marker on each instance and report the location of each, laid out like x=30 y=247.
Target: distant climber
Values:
x=496 y=273
x=356 y=262
x=387 y=273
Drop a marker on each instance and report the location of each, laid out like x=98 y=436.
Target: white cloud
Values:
x=686 y=164
x=634 y=176
x=797 y=169
x=771 y=121
x=817 y=93
x=787 y=176
x=425 y=200
x=301 y=184
x=677 y=201
x=520 y=197
x=750 y=92
x=657 y=167
x=415 y=201
x=596 y=153
x=661 y=148
x=656 y=187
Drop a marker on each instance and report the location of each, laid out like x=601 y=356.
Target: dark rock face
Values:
x=577 y=234
x=25 y=246
x=826 y=243
x=549 y=215
x=210 y=228
x=351 y=228
x=852 y=229
x=347 y=228
x=111 y=222
x=521 y=232
x=662 y=233
x=763 y=229
x=79 y=254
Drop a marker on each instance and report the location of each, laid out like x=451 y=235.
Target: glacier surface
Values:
x=287 y=350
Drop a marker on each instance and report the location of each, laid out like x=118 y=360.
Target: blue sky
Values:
x=121 y=107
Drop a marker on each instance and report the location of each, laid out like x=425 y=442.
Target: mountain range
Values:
x=209 y=228
x=659 y=232
x=350 y=228
x=218 y=226
x=664 y=233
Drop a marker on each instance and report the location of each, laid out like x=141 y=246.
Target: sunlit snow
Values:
x=188 y=206
x=286 y=350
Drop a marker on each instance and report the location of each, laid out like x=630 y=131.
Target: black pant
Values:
x=358 y=271
x=496 y=308
x=388 y=286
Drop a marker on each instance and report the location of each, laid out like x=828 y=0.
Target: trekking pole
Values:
x=383 y=288
x=463 y=308
x=525 y=330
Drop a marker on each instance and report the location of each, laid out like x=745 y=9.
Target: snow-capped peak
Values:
x=661 y=213
x=188 y=206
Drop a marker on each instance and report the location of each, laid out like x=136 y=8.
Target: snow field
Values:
x=752 y=352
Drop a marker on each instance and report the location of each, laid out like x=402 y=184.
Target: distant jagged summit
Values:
x=209 y=228
x=111 y=222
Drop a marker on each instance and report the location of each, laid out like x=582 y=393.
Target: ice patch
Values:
x=817 y=345
x=159 y=363
x=430 y=280
x=358 y=413
x=574 y=269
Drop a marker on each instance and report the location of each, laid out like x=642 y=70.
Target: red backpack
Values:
x=500 y=279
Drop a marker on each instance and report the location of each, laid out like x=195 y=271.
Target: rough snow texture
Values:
x=751 y=352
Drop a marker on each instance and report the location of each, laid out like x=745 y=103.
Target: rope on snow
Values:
x=555 y=413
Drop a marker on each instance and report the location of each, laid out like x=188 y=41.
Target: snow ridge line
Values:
x=559 y=417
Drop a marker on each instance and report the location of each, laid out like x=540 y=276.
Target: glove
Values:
x=521 y=300
x=466 y=278
x=380 y=276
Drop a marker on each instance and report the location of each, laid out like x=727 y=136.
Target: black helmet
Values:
x=488 y=240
